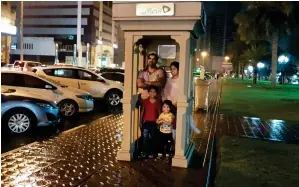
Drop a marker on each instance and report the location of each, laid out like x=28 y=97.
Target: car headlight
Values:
x=85 y=97
x=45 y=105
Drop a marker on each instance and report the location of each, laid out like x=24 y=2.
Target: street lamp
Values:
x=203 y=54
x=260 y=65
x=250 y=69
x=283 y=59
x=202 y=72
x=226 y=58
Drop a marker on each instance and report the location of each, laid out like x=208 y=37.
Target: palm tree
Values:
x=256 y=53
x=235 y=49
x=265 y=21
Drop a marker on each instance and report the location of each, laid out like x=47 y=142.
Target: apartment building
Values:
x=8 y=29
x=44 y=20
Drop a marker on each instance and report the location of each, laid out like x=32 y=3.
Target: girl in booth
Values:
x=166 y=121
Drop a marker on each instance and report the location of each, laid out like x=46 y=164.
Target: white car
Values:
x=69 y=100
x=86 y=80
x=26 y=65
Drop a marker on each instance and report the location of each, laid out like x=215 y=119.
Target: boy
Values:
x=152 y=108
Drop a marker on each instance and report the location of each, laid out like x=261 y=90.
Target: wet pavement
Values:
x=251 y=127
x=12 y=141
x=87 y=156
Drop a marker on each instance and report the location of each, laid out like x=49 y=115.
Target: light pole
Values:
x=283 y=60
x=79 y=45
x=21 y=32
x=202 y=70
x=260 y=65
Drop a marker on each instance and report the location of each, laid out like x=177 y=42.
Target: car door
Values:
x=119 y=77
x=32 y=85
x=108 y=76
x=91 y=83
x=36 y=85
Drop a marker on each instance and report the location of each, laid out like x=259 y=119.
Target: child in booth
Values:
x=152 y=108
x=166 y=121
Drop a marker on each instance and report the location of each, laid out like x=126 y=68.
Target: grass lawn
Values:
x=256 y=163
x=242 y=98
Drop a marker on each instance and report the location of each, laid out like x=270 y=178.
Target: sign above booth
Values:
x=155 y=9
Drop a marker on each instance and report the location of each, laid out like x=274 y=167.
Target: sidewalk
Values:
x=86 y=156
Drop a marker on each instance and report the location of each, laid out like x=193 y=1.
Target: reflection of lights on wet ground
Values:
x=276 y=128
x=255 y=118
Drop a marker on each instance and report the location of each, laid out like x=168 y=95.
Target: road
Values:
x=13 y=141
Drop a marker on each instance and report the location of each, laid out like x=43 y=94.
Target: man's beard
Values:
x=152 y=65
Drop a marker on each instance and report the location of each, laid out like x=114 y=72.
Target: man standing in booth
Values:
x=151 y=75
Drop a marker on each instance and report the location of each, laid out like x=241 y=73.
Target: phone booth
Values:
x=146 y=26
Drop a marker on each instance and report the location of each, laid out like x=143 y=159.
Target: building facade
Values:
x=58 y=20
x=8 y=29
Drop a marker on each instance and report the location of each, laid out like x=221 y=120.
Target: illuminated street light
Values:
x=203 y=54
x=250 y=68
x=202 y=72
x=226 y=58
x=282 y=59
x=260 y=65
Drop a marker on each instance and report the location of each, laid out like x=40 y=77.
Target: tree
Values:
x=268 y=21
x=235 y=49
x=256 y=53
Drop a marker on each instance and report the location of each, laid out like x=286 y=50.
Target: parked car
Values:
x=114 y=76
x=86 y=80
x=26 y=65
x=94 y=69
x=112 y=70
x=70 y=100
x=21 y=111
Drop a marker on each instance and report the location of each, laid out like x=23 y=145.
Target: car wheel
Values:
x=19 y=121
x=68 y=108
x=113 y=98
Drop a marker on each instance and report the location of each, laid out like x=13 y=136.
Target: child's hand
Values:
x=158 y=121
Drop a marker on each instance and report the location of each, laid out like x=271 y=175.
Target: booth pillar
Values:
x=129 y=98
x=183 y=147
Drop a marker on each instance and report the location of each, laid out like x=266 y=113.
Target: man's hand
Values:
x=141 y=83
